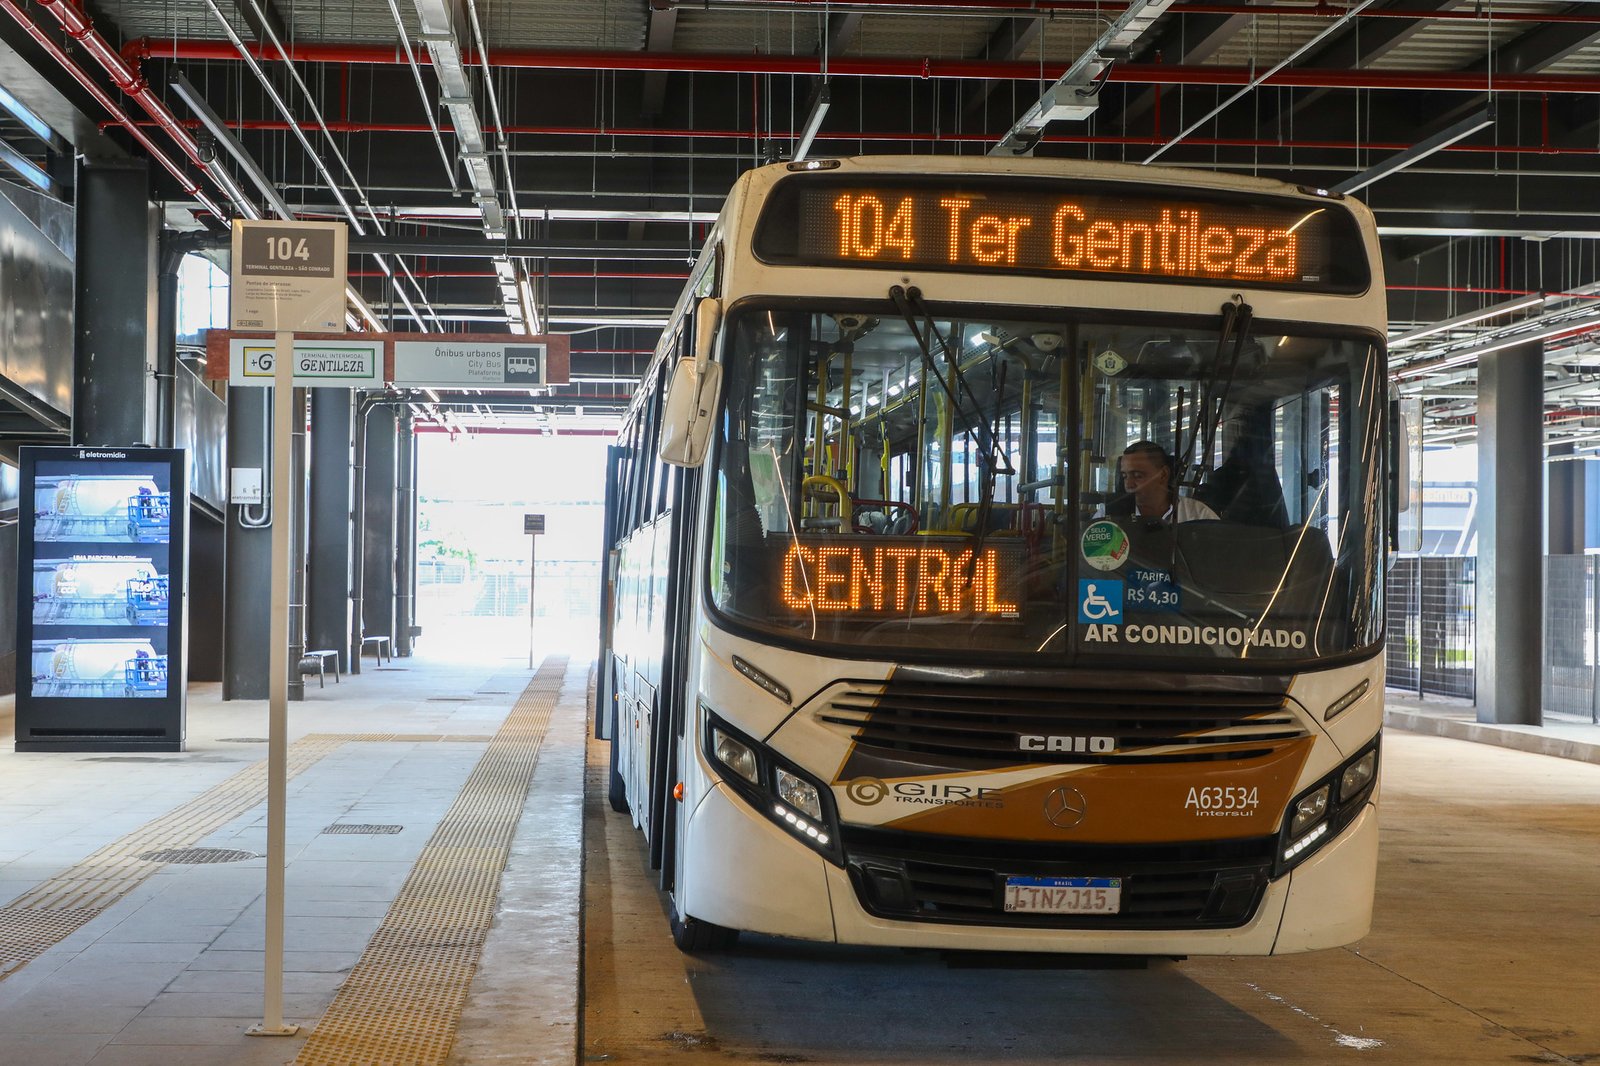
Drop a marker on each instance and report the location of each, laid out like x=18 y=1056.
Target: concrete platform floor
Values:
x=169 y=972
x=1482 y=952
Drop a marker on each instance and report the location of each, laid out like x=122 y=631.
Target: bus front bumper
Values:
x=744 y=872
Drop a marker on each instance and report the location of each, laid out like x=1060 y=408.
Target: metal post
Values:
x=1510 y=580
x=284 y=500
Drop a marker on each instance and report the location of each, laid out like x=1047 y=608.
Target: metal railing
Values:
x=1432 y=630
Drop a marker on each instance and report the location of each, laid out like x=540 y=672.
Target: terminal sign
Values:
x=1066 y=228
x=288 y=276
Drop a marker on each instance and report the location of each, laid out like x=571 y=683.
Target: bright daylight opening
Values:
x=473 y=557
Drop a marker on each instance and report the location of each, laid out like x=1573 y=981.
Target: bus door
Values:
x=674 y=697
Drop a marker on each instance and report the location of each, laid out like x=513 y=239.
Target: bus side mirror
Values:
x=686 y=416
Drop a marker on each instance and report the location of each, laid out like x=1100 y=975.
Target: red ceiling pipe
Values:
x=102 y=98
x=277 y=125
x=922 y=68
x=124 y=76
x=1035 y=8
x=514 y=431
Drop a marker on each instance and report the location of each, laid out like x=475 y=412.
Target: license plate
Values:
x=1063 y=895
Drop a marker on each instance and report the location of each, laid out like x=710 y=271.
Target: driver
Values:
x=1146 y=472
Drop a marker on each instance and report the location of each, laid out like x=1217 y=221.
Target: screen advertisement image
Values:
x=102 y=550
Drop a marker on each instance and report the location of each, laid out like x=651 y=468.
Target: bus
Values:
x=995 y=559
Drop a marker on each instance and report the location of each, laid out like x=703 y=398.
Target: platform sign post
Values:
x=532 y=525
x=286 y=276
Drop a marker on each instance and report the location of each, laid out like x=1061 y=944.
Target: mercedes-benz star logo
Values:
x=1065 y=807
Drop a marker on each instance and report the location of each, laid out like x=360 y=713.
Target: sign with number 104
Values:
x=288 y=276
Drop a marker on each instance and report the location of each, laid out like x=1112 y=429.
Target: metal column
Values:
x=1510 y=604
x=247 y=555
x=115 y=343
x=405 y=555
x=378 y=526
x=328 y=590
x=1566 y=485
x=298 y=536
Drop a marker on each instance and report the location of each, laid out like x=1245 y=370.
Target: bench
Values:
x=380 y=647
x=316 y=660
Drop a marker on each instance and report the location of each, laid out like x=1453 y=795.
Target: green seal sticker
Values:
x=1105 y=545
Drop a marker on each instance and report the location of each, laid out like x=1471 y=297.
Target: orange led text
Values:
x=1055 y=234
x=917 y=579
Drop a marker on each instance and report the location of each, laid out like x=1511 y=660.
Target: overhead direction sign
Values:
x=407 y=360
x=351 y=364
x=447 y=361
x=288 y=276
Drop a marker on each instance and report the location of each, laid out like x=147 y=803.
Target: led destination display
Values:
x=1059 y=228
x=915 y=579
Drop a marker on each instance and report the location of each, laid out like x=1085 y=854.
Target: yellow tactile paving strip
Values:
x=39 y=919
x=401 y=1003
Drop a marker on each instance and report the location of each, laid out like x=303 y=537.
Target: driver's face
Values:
x=1141 y=472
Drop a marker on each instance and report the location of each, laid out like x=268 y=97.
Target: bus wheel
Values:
x=695 y=937
x=616 y=791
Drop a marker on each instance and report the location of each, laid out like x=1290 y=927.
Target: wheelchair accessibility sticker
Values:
x=1099 y=600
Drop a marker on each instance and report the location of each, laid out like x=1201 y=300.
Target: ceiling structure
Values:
x=552 y=165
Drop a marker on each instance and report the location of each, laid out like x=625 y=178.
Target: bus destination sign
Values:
x=1026 y=228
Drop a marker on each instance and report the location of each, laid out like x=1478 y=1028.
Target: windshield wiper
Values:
x=981 y=434
x=1212 y=400
x=974 y=426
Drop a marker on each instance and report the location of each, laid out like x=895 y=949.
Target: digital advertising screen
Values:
x=102 y=536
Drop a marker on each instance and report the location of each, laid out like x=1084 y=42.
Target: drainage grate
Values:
x=362 y=830
x=197 y=856
x=241 y=740
x=449 y=699
x=403 y=999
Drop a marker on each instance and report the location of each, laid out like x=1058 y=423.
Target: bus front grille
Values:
x=980 y=726
x=910 y=877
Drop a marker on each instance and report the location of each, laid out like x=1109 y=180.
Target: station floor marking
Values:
x=402 y=1002
x=53 y=910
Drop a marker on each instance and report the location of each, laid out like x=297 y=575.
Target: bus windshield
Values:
x=1059 y=489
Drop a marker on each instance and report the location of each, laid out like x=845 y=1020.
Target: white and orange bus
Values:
x=893 y=654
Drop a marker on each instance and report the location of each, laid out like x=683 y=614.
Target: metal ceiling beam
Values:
x=1010 y=41
x=437 y=18
x=663 y=27
x=1183 y=38
x=1075 y=94
x=671 y=251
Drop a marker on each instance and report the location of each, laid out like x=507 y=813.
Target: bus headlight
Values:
x=1308 y=810
x=799 y=793
x=1321 y=812
x=1358 y=775
x=774 y=786
x=735 y=755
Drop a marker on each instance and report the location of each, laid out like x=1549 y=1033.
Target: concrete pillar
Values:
x=328 y=586
x=1510 y=607
x=378 y=525
x=114 y=398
